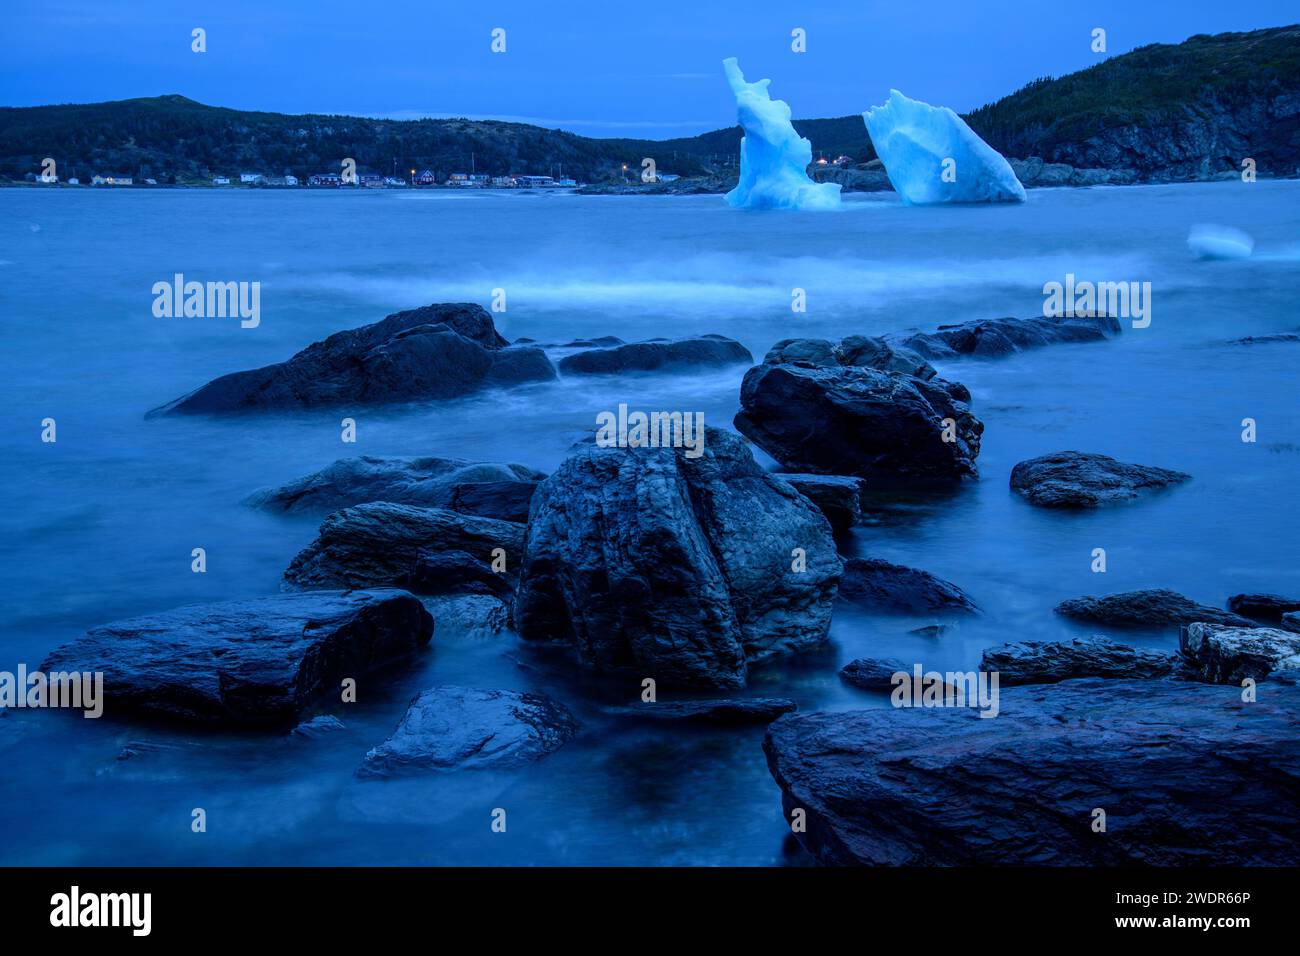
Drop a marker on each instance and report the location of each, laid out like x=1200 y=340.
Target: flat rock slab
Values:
x=1049 y=662
x=435 y=352
x=872 y=673
x=1075 y=479
x=655 y=355
x=492 y=489
x=876 y=585
x=465 y=728
x=421 y=549
x=859 y=421
x=1228 y=655
x=1151 y=608
x=735 y=711
x=1187 y=774
x=1269 y=608
x=246 y=662
x=994 y=338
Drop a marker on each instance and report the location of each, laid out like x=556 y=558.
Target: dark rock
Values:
x=991 y=338
x=1228 y=655
x=434 y=352
x=1186 y=773
x=881 y=586
x=490 y=489
x=658 y=354
x=1269 y=608
x=437 y=573
x=857 y=350
x=736 y=711
x=1291 y=622
x=382 y=544
x=930 y=630
x=1075 y=479
x=679 y=567
x=871 y=673
x=839 y=497
x=1268 y=339
x=318 y=727
x=1152 y=607
x=1049 y=662
x=859 y=421
x=464 y=728
x=246 y=662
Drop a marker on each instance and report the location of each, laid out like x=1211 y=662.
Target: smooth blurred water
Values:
x=100 y=525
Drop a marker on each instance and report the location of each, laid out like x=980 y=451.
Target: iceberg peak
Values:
x=773 y=157
x=932 y=156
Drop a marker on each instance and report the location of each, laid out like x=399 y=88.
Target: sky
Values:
x=611 y=68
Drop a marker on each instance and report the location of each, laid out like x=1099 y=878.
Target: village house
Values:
x=112 y=179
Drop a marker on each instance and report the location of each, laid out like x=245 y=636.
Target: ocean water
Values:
x=100 y=525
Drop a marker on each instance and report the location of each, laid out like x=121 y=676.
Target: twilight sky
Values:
x=597 y=68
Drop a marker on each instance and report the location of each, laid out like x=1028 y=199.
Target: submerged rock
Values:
x=681 y=568
x=1049 y=662
x=487 y=488
x=1075 y=479
x=426 y=550
x=246 y=662
x=318 y=727
x=435 y=352
x=1228 y=655
x=464 y=728
x=993 y=338
x=657 y=354
x=1186 y=774
x=1269 y=608
x=839 y=497
x=877 y=585
x=860 y=421
x=735 y=711
x=1151 y=607
x=870 y=673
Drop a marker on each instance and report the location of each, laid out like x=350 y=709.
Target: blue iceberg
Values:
x=773 y=157
x=1208 y=241
x=932 y=156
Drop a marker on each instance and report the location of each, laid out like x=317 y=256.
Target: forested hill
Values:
x=1165 y=111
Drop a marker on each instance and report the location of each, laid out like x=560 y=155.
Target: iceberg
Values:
x=1208 y=241
x=932 y=156
x=773 y=157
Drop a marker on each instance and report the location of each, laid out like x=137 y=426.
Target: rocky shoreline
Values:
x=656 y=571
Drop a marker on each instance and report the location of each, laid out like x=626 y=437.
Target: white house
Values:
x=221 y=180
x=251 y=177
x=112 y=179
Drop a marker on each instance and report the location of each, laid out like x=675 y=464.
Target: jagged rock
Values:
x=839 y=497
x=435 y=352
x=1187 y=774
x=1075 y=479
x=464 y=728
x=1228 y=655
x=881 y=586
x=1291 y=621
x=426 y=550
x=871 y=673
x=1269 y=608
x=1049 y=662
x=246 y=662
x=856 y=350
x=991 y=338
x=657 y=354
x=318 y=727
x=1151 y=607
x=491 y=489
x=682 y=568
x=736 y=711
x=859 y=421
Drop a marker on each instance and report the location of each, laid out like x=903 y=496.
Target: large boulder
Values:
x=492 y=489
x=1149 y=608
x=654 y=355
x=1228 y=655
x=1075 y=479
x=464 y=728
x=257 y=662
x=1049 y=662
x=865 y=351
x=685 y=569
x=860 y=421
x=388 y=545
x=992 y=338
x=434 y=352
x=1186 y=773
x=876 y=585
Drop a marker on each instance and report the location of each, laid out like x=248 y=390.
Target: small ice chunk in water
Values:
x=773 y=157
x=1209 y=241
x=932 y=156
